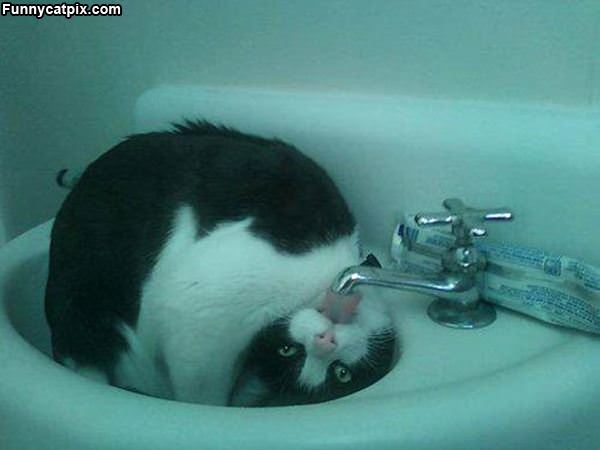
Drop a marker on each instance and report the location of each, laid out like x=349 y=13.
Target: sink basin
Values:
x=516 y=384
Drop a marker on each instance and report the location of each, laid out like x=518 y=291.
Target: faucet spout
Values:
x=457 y=287
x=457 y=284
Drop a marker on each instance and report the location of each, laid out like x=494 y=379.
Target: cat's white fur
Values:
x=352 y=339
x=205 y=298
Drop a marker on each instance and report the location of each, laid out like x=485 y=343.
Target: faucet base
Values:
x=451 y=314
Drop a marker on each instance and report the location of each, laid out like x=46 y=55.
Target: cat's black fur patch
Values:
x=371 y=260
x=113 y=224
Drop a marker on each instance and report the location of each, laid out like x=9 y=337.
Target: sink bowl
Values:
x=516 y=384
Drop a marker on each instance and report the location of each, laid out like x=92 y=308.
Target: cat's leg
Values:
x=197 y=374
x=186 y=381
x=139 y=370
x=90 y=372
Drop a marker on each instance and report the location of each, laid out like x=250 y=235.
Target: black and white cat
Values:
x=195 y=264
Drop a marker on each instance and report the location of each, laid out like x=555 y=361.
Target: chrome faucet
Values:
x=458 y=304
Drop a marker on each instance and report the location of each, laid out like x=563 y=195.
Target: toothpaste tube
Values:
x=552 y=288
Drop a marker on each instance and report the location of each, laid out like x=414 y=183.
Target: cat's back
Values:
x=222 y=174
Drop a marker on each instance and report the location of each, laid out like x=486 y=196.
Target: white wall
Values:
x=67 y=87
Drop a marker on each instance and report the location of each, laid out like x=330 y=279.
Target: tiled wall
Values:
x=67 y=87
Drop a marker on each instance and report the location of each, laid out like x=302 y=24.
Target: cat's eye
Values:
x=287 y=350
x=342 y=373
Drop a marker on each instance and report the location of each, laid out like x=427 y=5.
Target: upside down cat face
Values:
x=310 y=358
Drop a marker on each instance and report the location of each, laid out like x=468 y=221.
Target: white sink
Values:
x=516 y=384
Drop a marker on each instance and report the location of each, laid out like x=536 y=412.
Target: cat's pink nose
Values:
x=325 y=342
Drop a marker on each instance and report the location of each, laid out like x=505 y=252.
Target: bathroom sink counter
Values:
x=517 y=384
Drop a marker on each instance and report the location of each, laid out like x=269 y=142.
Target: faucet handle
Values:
x=466 y=222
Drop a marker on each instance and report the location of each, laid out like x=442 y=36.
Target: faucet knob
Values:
x=466 y=222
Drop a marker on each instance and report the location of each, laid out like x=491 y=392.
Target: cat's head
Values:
x=308 y=358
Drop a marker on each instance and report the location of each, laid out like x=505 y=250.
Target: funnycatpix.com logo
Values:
x=66 y=10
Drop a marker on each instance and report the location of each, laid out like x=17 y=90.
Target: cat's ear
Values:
x=371 y=261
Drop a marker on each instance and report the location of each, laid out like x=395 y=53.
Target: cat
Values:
x=177 y=253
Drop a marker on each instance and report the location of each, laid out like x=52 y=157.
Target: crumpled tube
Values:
x=552 y=288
